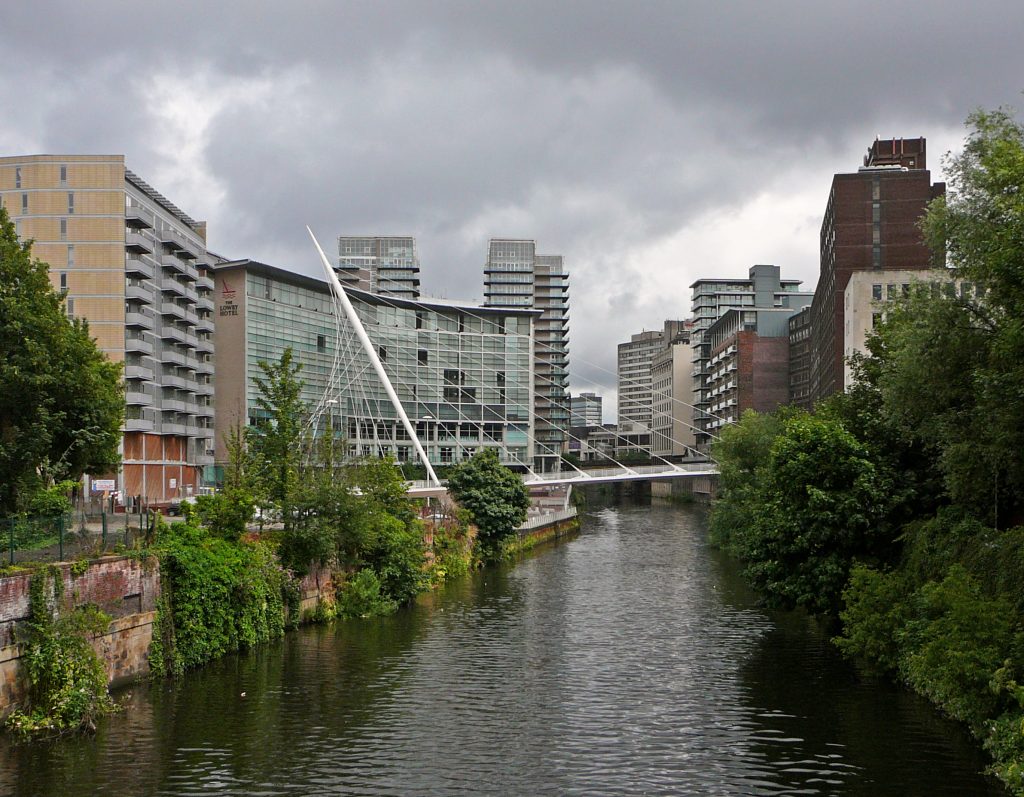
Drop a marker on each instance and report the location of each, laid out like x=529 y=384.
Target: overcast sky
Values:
x=651 y=144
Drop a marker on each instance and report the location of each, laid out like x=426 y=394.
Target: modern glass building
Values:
x=516 y=276
x=463 y=373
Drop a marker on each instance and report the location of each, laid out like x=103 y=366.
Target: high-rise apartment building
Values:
x=870 y=224
x=385 y=265
x=635 y=389
x=672 y=428
x=711 y=299
x=136 y=267
x=585 y=409
x=749 y=365
x=516 y=276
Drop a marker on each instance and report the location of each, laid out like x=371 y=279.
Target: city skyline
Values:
x=484 y=121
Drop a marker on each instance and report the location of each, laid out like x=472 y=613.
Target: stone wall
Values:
x=124 y=588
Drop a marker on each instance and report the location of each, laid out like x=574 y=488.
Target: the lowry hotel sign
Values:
x=228 y=305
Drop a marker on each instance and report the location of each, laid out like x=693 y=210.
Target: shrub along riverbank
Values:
x=896 y=509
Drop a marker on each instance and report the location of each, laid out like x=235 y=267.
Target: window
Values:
x=891 y=291
x=876 y=292
x=382 y=352
x=63 y=175
x=17 y=177
x=876 y=212
x=876 y=319
x=24 y=204
x=321 y=343
x=63 y=280
x=71 y=254
x=71 y=308
x=63 y=229
x=421 y=356
x=71 y=202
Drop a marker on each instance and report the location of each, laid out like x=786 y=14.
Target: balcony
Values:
x=138 y=425
x=191 y=317
x=171 y=285
x=138 y=292
x=137 y=345
x=191 y=294
x=134 y=398
x=173 y=356
x=170 y=237
x=191 y=341
x=174 y=405
x=172 y=380
x=139 y=320
x=173 y=263
x=139 y=218
x=174 y=428
x=205 y=303
x=204 y=282
x=138 y=372
x=204 y=324
x=168 y=309
x=137 y=242
x=173 y=333
x=140 y=265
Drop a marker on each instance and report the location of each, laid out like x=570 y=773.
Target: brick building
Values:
x=749 y=365
x=870 y=224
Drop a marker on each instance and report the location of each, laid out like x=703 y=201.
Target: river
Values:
x=627 y=660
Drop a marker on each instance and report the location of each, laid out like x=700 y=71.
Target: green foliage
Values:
x=873 y=618
x=61 y=399
x=363 y=596
x=803 y=500
x=495 y=497
x=451 y=551
x=953 y=643
x=52 y=501
x=228 y=513
x=221 y=596
x=276 y=444
x=395 y=552
x=67 y=681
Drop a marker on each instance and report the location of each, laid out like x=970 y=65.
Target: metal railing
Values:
x=61 y=538
x=547 y=518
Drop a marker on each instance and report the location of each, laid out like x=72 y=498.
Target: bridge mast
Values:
x=371 y=352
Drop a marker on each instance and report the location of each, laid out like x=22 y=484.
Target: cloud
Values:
x=650 y=144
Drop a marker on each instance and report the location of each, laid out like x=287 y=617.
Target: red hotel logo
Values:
x=227 y=291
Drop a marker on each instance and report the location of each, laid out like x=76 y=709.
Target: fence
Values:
x=64 y=537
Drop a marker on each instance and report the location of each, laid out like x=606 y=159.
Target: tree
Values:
x=61 y=399
x=495 y=497
x=227 y=513
x=276 y=443
x=817 y=504
x=951 y=367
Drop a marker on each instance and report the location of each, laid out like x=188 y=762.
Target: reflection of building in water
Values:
x=462 y=372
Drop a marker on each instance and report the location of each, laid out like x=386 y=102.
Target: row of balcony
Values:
x=160 y=427
x=723 y=354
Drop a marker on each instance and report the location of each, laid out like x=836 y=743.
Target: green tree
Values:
x=61 y=399
x=979 y=345
x=276 y=443
x=227 y=513
x=818 y=504
x=495 y=497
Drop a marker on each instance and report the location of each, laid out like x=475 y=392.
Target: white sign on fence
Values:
x=102 y=485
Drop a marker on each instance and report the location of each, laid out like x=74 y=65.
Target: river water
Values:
x=627 y=660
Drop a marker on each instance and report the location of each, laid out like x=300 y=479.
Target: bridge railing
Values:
x=598 y=473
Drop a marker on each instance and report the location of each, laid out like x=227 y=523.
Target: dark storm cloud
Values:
x=650 y=143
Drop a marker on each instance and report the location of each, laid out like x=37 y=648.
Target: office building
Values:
x=633 y=367
x=585 y=409
x=136 y=267
x=711 y=299
x=385 y=265
x=515 y=276
x=462 y=372
x=870 y=224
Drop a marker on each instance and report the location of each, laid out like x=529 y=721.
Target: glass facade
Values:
x=462 y=373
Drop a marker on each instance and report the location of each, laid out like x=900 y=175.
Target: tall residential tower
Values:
x=516 y=276
x=385 y=265
x=136 y=267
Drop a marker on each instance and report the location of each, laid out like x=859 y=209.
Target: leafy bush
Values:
x=873 y=618
x=363 y=596
x=220 y=596
x=495 y=497
x=67 y=681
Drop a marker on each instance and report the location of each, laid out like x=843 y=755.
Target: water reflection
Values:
x=630 y=660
